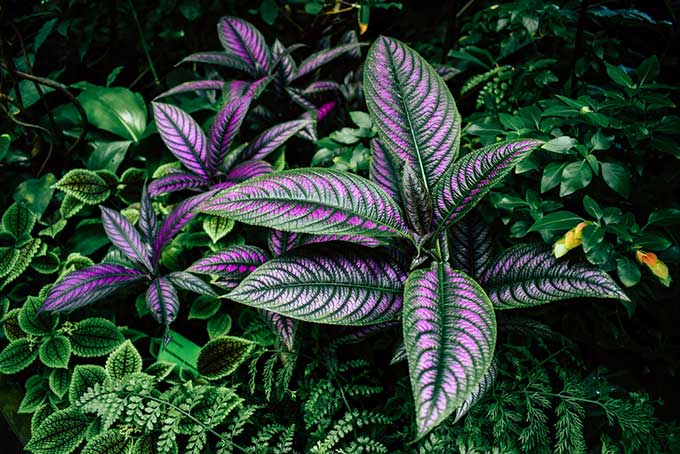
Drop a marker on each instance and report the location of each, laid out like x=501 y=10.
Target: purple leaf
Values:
x=300 y=99
x=321 y=86
x=223 y=130
x=317 y=201
x=234 y=262
x=176 y=181
x=285 y=65
x=183 y=137
x=471 y=245
x=221 y=59
x=318 y=59
x=412 y=108
x=187 y=281
x=248 y=170
x=280 y=242
x=417 y=201
x=148 y=222
x=450 y=335
x=196 y=85
x=271 y=139
x=528 y=275
x=474 y=175
x=323 y=111
x=125 y=237
x=384 y=170
x=90 y=284
x=482 y=387
x=178 y=218
x=322 y=285
x=356 y=239
x=245 y=41
x=162 y=300
x=309 y=131
x=284 y=327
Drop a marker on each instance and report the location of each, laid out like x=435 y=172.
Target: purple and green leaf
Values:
x=384 y=170
x=187 y=281
x=233 y=262
x=195 y=85
x=162 y=300
x=529 y=275
x=285 y=65
x=271 y=139
x=480 y=390
x=316 y=201
x=125 y=237
x=284 y=327
x=280 y=242
x=173 y=223
x=241 y=39
x=176 y=181
x=324 y=285
x=221 y=59
x=318 y=59
x=450 y=335
x=224 y=129
x=148 y=221
x=249 y=169
x=417 y=201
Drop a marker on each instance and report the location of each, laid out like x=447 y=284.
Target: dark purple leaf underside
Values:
x=243 y=40
x=85 y=286
x=176 y=181
x=412 y=108
x=471 y=246
x=162 y=300
x=197 y=85
x=384 y=171
x=284 y=327
x=221 y=59
x=248 y=170
x=364 y=332
x=224 y=129
x=271 y=139
x=148 y=222
x=473 y=176
x=529 y=275
x=280 y=242
x=125 y=237
x=450 y=335
x=318 y=59
x=183 y=137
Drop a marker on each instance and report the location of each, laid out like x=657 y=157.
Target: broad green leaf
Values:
x=628 y=271
x=85 y=377
x=95 y=337
x=60 y=433
x=110 y=442
x=18 y=220
x=117 y=110
x=33 y=323
x=85 y=185
x=450 y=336
x=59 y=381
x=55 y=352
x=562 y=144
x=619 y=76
x=36 y=193
x=219 y=325
x=17 y=356
x=575 y=176
x=552 y=175
x=222 y=356
x=559 y=220
x=217 y=227
x=107 y=155
x=664 y=218
x=125 y=360
x=204 y=307
x=617 y=177
x=35 y=396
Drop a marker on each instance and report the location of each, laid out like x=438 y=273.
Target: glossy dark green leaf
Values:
x=575 y=176
x=665 y=217
x=117 y=110
x=559 y=220
x=628 y=271
x=552 y=175
x=617 y=177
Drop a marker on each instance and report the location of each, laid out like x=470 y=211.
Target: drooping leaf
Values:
x=234 y=262
x=18 y=220
x=84 y=377
x=529 y=275
x=217 y=227
x=85 y=286
x=280 y=242
x=311 y=201
x=84 y=185
x=240 y=38
x=148 y=221
x=125 y=237
x=124 y=360
x=183 y=137
x=196 y=85
x=115 y=109
x=473 y=176
x=450 y=336
x=17 y=356
x=384 y=170
x=482 y=387
x=323 y=285
x=60 y=433
x=250 y=169
x=471 y=246
x=222 y=356
x=417 y=201
x=271 y=139
x=220 y=59
x=176 y=181
x=110 y=442
x=284 y=327
x=95 y=337
x=187 y=281
x=162 y=300
x=173 y=223
x=318 y=59
x=412 y=108
x=224 y=129
x=55 y=352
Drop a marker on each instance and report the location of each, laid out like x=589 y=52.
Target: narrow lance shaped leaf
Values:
x=221 y=59
x=161 y=297
x=321 y=86
x=187 y=281
x=471 y=246
x=284 y=65
x=384 y=170
x=318 y=59
x=284 y=327
x=482 y=388
x=311 y=201
x=412 y=108
x=125 y=237
x=450 y=335
x=176 y=181
x=324 y=285
x=234 y=262
x=417 y=201
x=85 y=286
x=243 y=40
x=271 y=139
x=195 y=85
x=183 y=137
x=250 y=169
x=224 y=129
x=356 y=239
x=473 y=176
x=148 y=221
x=528 y=275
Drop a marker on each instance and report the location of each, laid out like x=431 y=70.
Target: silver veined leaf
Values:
x=482 y=387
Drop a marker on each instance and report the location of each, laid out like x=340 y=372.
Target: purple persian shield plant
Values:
x=448 y=318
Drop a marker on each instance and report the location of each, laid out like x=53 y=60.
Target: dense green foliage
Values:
x=593 y=80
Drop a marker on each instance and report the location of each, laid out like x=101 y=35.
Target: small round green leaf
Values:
x=95 y=337
x=220 y=357
x=125 y=360
x=55 y=352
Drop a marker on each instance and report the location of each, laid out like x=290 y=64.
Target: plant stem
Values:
x=143 y=41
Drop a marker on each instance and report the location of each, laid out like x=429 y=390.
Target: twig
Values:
x=144 y=46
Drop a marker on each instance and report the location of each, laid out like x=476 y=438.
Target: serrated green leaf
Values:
x=125 y=360
x=18 y=220
x=54 y=229
x=46 y=264
x=59 y=381
x=219 y=325
x=222 y=356
x=33 y=323
x=40 y=415
x=70 y=206
x=60 y=433
x=84 y=377
x=145 y=445
x=55 y=352
x=8 y=257
x=95 y=337
x=25 y=255
x=10 y=325
x=35 y=396
x=160 y=369
x=109 y=442
x=217 y=227
x=85 y=185
x=17 y=356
